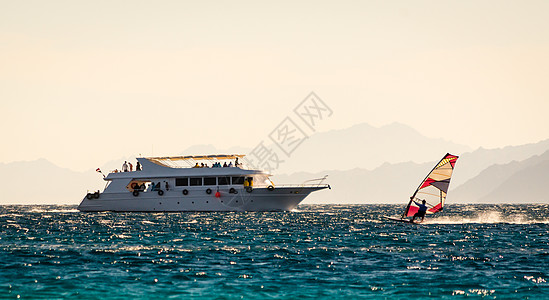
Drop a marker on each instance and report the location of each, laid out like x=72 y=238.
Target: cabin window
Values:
x=223 y=180
x=182 y=181
x=209 y=181
x=195 y=181
x=238 y=180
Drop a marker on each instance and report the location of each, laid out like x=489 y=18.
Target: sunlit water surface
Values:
x=318 y=251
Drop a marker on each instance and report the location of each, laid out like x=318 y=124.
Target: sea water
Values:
x=315 y=252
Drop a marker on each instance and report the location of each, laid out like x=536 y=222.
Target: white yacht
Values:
x=180 y=184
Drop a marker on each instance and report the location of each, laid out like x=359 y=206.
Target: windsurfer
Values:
x=432 y=190
x=421 y=212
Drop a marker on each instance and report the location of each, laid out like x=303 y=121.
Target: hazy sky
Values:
x=82 y=82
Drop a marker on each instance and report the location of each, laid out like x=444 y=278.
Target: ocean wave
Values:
x=487 y=217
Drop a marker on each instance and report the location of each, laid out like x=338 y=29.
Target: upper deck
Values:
x=172 y=166
x=192 y=161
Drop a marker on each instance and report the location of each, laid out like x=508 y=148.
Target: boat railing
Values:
x=302 y=185
x=318 y=182
x=242 y=167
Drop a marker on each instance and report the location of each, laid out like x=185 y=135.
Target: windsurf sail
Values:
x=433 y=188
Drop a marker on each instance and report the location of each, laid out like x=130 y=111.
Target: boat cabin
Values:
x=171 y=173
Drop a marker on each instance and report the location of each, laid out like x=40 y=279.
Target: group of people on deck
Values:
x=128 y=167
x=217 y=165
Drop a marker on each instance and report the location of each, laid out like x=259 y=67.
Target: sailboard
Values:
x=406 y=221
x=433 y=189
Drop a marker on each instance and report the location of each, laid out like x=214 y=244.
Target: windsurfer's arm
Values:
x=412 y=200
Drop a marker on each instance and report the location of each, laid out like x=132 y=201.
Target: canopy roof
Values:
x=172 y=161
x=198 y=157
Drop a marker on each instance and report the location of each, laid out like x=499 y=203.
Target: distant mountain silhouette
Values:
x=390 y=183
x=512 y=182
x=360 y=146
x=526 y=186
x=367 y=165
x=41 y=182
x=472 y=163
x=515 y=182
x=367 y=147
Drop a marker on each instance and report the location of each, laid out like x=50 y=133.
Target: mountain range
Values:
x=514 y=182
x=367 y=147
x=42 y=182
x=359 y=146
x=365 y=165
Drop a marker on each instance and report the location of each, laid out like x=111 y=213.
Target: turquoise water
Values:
x=316 y=252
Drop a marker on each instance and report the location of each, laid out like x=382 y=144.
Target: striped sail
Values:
x=433 y=188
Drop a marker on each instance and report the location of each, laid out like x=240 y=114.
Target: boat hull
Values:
x=259 y=199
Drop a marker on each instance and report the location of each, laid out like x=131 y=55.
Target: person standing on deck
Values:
x=125 y=167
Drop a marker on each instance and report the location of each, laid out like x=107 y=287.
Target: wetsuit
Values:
x=421 y=212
